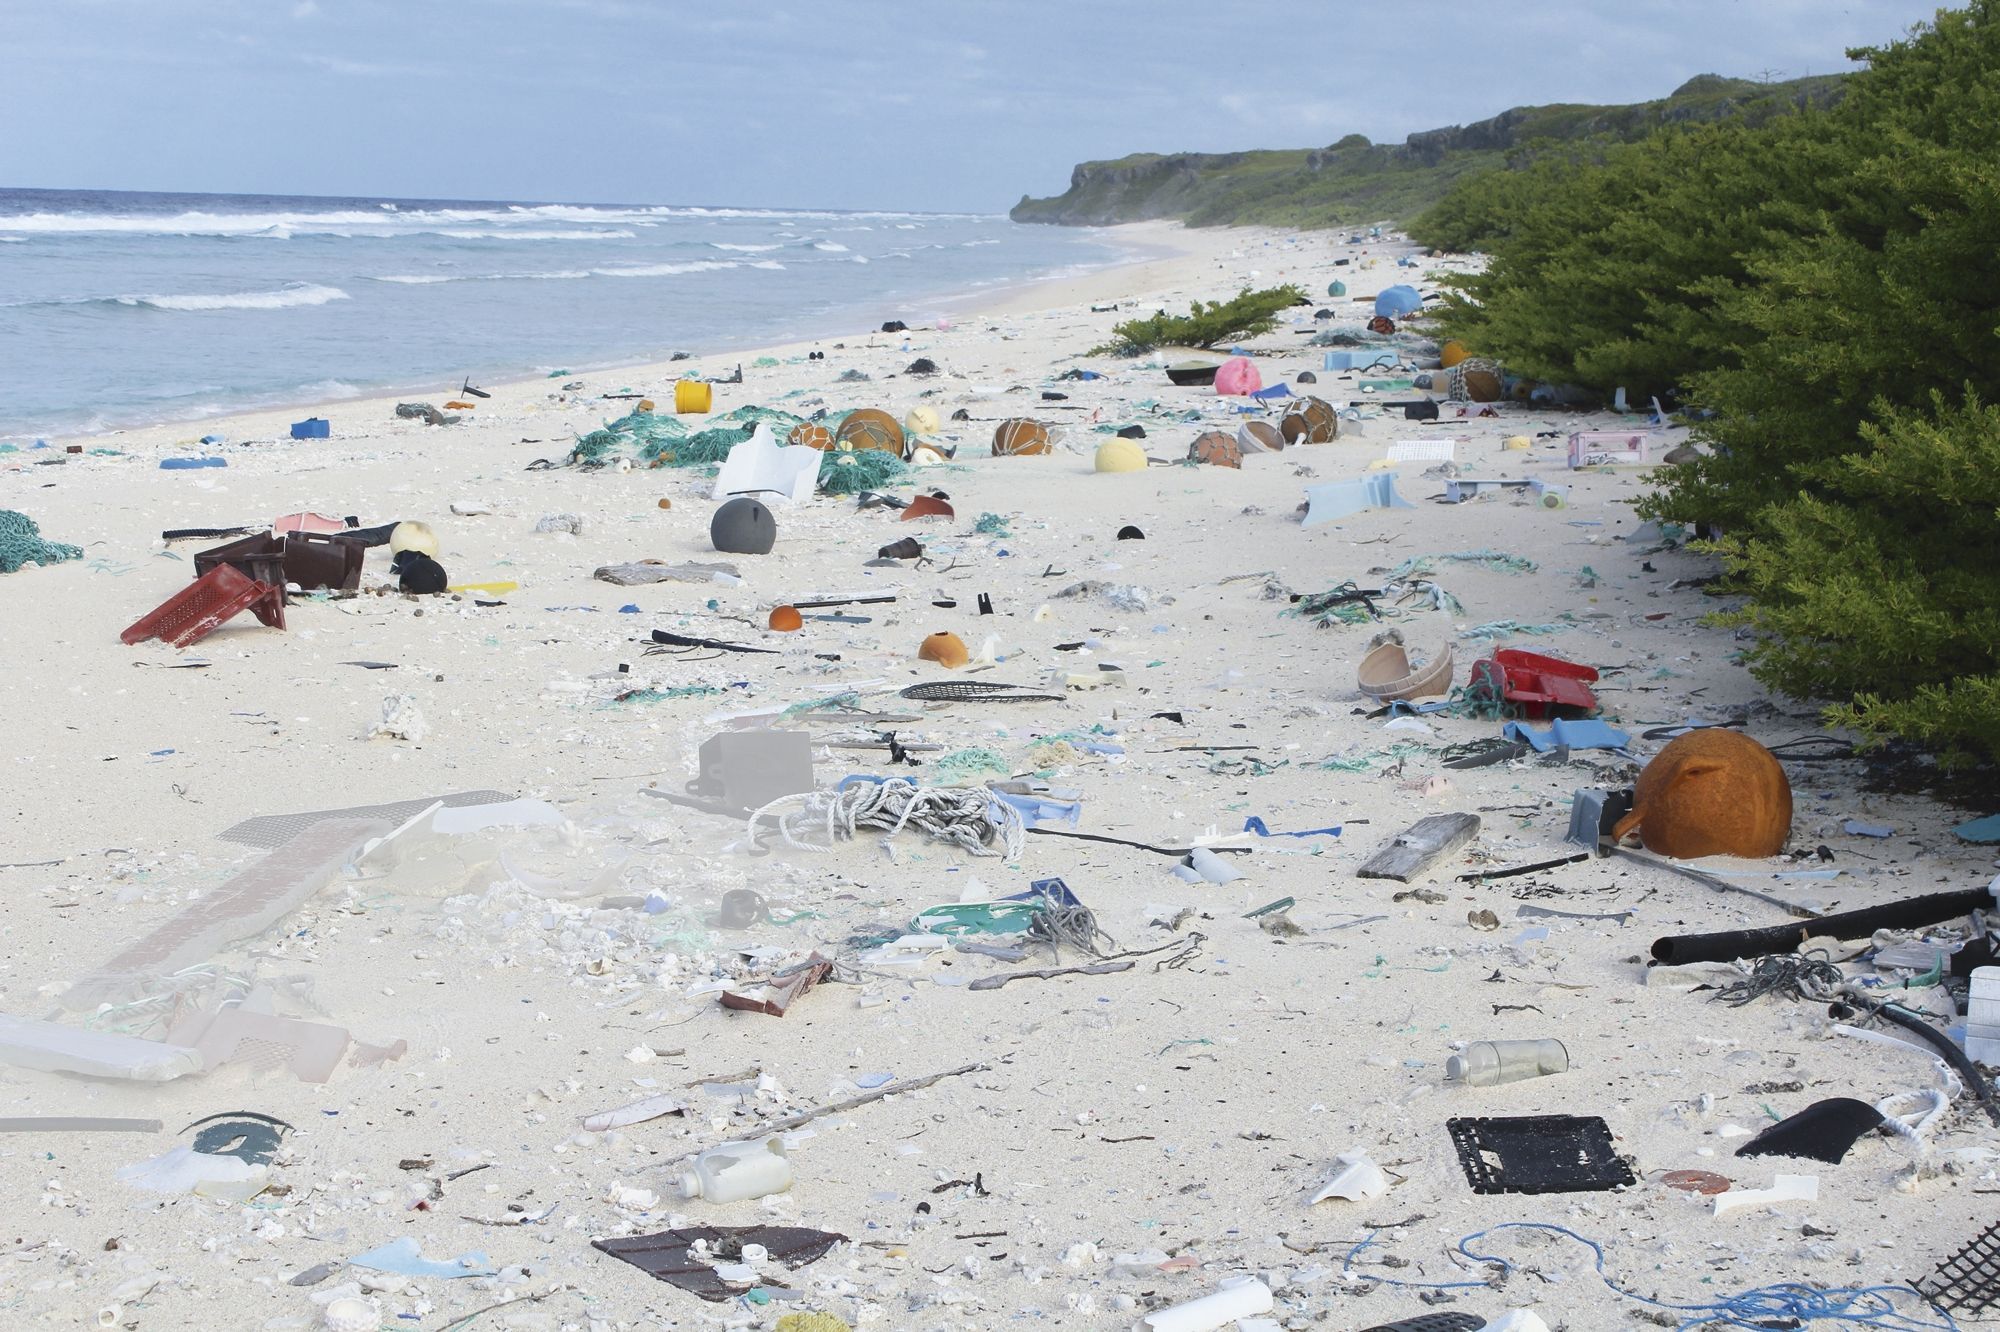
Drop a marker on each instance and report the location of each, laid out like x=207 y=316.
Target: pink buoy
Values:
x=1237 y=378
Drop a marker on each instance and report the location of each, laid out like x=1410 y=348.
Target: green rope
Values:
x=21 y=543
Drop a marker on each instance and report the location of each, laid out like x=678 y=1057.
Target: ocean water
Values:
x=121 y=309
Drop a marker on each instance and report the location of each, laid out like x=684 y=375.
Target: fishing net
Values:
x=864 y=469
x=21 y=543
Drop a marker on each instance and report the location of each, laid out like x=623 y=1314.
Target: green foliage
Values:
x=1244 y=315
x=1824 y=286
x=1355 y=182
x=1611 y=273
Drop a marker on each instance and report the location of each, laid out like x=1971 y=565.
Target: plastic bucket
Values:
x=692 y=395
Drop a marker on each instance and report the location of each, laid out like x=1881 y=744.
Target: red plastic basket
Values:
x=195 y=611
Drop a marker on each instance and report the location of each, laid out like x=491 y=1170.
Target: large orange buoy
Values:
x=1712 y=792
x=786 y=619
x=1310 y=421
x=870 y=428
x=1020 y=437
x=811 y=434
x=1217 y=449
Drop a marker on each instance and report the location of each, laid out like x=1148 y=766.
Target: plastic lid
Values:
x=690 y=1185
x=1454 y=1068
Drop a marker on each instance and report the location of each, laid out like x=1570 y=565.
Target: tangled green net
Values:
x=21 y=543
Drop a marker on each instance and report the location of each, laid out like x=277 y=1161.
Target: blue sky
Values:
x=952 y=104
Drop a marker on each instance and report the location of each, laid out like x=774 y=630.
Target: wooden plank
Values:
x=1420 y=846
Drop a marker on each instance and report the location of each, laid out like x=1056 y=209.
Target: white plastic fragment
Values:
x=653 y=1107
x=1784 y=1189
x=1235 y=1298
x=1357 y=1179
x=1518 y=1320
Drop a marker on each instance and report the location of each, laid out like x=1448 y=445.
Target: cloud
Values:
x=305 y=9
x=367 y=69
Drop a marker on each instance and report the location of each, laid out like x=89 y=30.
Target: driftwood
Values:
x=1420 y=846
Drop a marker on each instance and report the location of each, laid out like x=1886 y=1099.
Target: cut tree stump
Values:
x=1420 y=846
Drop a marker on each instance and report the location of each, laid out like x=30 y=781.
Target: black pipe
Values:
x=1680 y=949
x=1938 y=1041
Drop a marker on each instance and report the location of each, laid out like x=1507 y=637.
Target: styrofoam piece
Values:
x=1357 y=1179
x=311 y=1050
x=242 y=908
x=1234 y=1298
x=1423 y=450
x=54 y=1048
x=762 y=466
x=1784 y=1189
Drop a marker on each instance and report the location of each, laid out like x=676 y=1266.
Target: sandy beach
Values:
x=1128 y=1139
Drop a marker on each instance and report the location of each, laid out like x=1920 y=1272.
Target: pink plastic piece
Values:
x=1238 y=377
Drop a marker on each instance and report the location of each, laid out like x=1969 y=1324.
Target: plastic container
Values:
x=1486 y=1063
x=313 y=427
x=199 y=608
x=693 y=395
x=738 y=1170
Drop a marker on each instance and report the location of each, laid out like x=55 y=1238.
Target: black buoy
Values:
x=1130 y=533
x=743 y=526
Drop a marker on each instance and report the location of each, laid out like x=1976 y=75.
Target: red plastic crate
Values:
x=1538 y=685
x=198 y=609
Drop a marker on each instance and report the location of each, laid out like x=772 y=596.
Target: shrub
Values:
x=1245 y=315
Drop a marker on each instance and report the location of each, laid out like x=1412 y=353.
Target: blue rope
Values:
x=1868 y=1306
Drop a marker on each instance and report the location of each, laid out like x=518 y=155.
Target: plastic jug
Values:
x=738 y=1170
x=1485 y=1063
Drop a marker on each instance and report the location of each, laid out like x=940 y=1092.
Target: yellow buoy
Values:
x=1120 y=455
x=1452 y=353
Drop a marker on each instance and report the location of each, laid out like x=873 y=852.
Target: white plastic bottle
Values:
x=738 y=1170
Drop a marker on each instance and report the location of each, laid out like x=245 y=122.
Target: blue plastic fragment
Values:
x=404 y=1258
x=1980 y=832
x=1856 y=828
x=188 y=464
x=1566 y=734
x=1256 y=825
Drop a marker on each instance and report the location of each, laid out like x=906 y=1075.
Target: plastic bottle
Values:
x=1485 y=1063
x=738 y=1170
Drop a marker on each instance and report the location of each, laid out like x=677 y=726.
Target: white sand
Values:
x=1192 y=1110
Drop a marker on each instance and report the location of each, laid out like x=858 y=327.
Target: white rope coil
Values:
x=961 y=816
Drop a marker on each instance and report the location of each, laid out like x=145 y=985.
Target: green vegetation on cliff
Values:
x=1355 y=181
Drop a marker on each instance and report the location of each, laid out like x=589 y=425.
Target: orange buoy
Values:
x=1217 y=449
x=1020 y=437
x=786 y=619
x=811 y=434
x=870 y=428
x=947 y=650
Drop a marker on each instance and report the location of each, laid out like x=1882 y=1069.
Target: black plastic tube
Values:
x=1680 y=949
x=1938 y=1041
